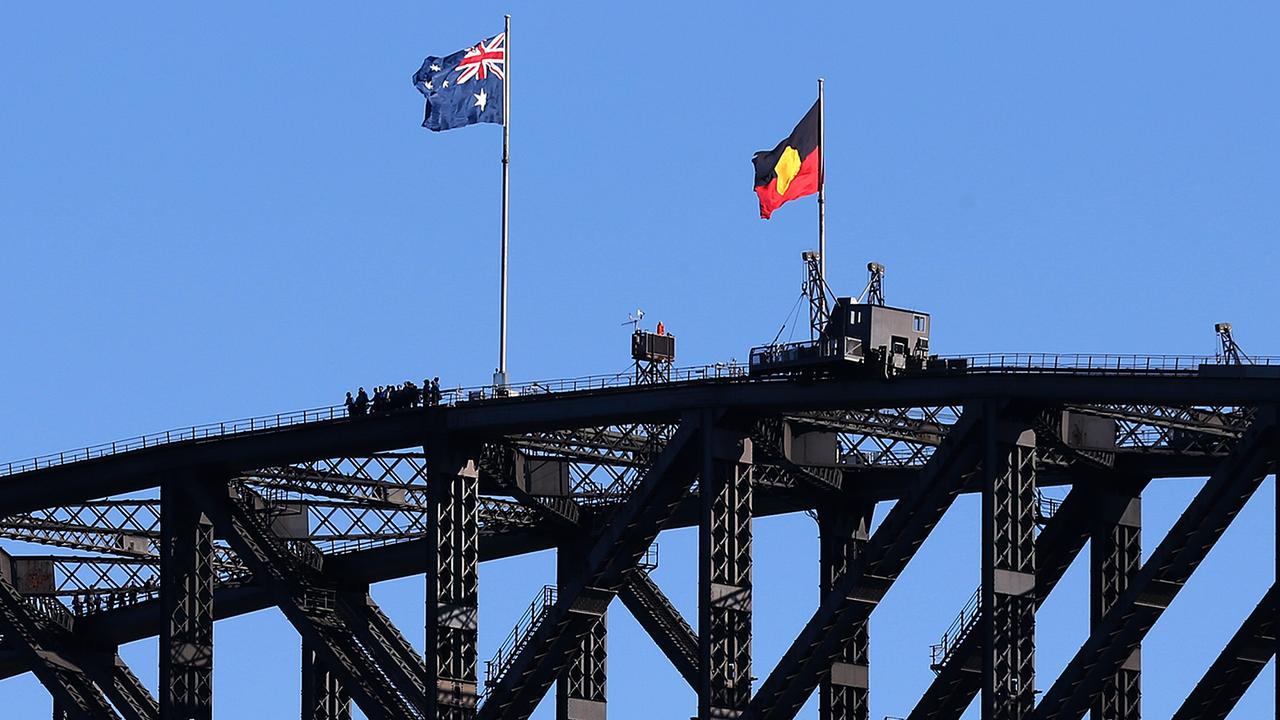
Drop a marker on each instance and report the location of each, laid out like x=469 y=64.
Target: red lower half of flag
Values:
x=789 y=183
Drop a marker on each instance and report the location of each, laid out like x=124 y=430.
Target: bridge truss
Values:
x=162 y=536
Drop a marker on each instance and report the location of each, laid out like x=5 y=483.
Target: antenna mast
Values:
x=873 y=294
x=815 y=287
x=1229 y=353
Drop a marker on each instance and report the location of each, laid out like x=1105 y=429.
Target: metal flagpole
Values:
x=501 y=378
x=822 y=187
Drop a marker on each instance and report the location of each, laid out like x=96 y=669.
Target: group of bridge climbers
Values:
x=387 y=398
x=97 y=602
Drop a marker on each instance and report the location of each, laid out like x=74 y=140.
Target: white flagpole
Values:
x=822 y=186
x=506 y=180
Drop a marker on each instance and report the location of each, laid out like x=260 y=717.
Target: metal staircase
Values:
x=967 y=620
x=663 y=622
x=384 y=682
x=528 y=623
x=961 y=628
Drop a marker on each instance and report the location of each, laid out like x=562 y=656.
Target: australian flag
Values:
x=466 y=87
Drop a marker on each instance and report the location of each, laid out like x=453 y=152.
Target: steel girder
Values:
x=771 y=441
x=615 y=551
x=134 y=470
x=55 y=664
x=121 y=686
x=378 y=562
x=1241 y=661
x=451 y=579
x=724 y=579
x=121 y=527
x=323 y=697
x=888 y=551
x=125 y=690
x=1122 y=629
x=1008 y=570
x=842 y=539
x=376 y=496
x=506 y=465
x=959 y=678
x=663 y=622
x=186 y=596
x=377 y=671
x=581 y=690
x=1115 y=556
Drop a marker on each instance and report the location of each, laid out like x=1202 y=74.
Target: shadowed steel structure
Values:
x=163 y=535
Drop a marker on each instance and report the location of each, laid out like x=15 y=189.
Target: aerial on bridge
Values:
x=417 y=466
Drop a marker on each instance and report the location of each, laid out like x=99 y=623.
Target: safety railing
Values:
x=940 y=653
x=195 y=432
x=533 y=616
x=993 y=362
x=1094 y=362
x=306 y=553
x=451 y=397
x=53 y=609
x=1046 y=507
x=649 y=562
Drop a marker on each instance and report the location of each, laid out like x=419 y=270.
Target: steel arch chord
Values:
x=163 y=535
x=1117 y=635
x=1241 y=661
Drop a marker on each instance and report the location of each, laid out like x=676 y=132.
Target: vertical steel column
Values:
x=1008 y=573
x=323 y=697
x=581 y=689
x=1115 y=556
x=186 y=596
x=452 y=557
x=843 y=533
x=724 y=575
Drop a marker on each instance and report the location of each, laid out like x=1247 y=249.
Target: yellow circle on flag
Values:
x=787 y=168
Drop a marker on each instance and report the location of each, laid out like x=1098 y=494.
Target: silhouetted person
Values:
x=435 y=391
x=362 y=402
x=350 y=404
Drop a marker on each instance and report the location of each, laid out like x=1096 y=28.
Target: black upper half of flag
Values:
x=803 y=139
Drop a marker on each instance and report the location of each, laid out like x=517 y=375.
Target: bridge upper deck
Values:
x=116 y=467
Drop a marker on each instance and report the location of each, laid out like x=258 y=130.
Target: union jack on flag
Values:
x=488 y=56
x=465 y=87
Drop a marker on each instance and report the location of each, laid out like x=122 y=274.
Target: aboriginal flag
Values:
x=791 y=169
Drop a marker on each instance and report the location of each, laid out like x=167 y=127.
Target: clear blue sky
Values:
x=229 y=210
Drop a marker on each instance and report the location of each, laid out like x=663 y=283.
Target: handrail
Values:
x=1100 y=362
x=451 y=397
x=983 y=363
x=959 y=629
x=1046 y=507
x=495 y=668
